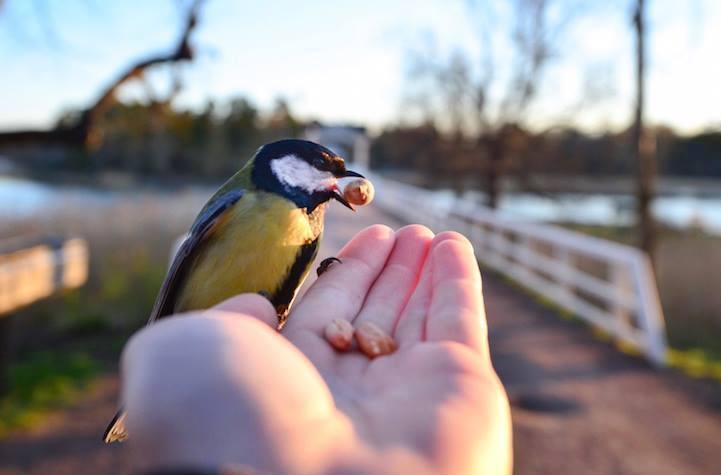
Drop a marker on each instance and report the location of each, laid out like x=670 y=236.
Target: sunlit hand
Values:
x=219 y=388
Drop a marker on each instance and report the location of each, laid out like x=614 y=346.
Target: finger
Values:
x=391 y=291
x=252 y=305
x=341 y=290
x=411 y=324
x=220 y=377
x=456 y=310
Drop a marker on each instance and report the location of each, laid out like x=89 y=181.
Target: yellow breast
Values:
x=251 y=250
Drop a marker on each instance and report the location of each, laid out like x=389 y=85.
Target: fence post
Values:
x=32 y=271
x=622 y=286
x=523 y=252
x=477 y=238
x=499 y=247
x=651 y=314
x=565 y=286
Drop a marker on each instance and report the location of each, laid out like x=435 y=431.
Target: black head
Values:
x=301 y=171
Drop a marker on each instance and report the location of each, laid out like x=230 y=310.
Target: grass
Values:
x=42 y=383
x=129 y=239
x=696 y=362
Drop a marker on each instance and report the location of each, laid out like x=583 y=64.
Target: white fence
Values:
x=30 y=273
x=607 y=284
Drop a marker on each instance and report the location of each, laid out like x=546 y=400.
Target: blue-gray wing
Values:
x=199 y=231
x=165 y=302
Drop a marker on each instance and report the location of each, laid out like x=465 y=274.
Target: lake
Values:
x=23 y=198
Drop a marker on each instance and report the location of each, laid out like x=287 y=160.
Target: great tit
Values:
x=258 y=233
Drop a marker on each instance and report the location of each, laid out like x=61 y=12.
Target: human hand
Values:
x=242 y=394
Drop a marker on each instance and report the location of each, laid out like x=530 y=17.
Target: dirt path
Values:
x=579 y=407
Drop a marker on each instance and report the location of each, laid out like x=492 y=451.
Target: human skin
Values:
x=222 y=388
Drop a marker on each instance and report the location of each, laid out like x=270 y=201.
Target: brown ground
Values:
x=579 y=407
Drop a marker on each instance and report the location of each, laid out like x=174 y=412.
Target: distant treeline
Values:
x=214 y=142
x=155 y=140
x=159 y=140
x=558 y=152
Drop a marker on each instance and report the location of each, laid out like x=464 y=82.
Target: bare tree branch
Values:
x=493 y=111
x=85 y=133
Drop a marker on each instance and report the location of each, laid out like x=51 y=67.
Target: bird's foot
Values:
x=283 y=311
x=325 y=265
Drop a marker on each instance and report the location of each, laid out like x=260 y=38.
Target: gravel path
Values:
x=579 y=407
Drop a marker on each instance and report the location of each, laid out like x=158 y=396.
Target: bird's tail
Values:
x=116 y=429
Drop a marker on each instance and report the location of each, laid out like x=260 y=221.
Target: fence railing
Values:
x=30 y=271
x=610 y=285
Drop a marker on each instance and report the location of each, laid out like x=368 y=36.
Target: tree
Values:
x=642 y=144
x=84 y=132
x=489 y=102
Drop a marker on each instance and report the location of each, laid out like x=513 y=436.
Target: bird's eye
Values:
x=318 y=162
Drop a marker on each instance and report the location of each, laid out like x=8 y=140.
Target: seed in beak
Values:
x=359 y=192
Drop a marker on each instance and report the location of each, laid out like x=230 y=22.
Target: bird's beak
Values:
x=336 y=191
x=352 y=173
x=339 y=197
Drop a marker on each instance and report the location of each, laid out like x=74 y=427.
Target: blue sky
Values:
x=344 y=60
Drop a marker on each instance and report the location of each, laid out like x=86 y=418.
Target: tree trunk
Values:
x=643 y=149
x=495 y=152
x=492 y=178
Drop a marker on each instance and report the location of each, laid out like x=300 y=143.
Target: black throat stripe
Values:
x=305 y=257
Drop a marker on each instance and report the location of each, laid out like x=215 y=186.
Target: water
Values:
x=19 y=198
x=680 y=210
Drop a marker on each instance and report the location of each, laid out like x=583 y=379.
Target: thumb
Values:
x=252 y=305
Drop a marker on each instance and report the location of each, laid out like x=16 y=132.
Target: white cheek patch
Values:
x=293 y=171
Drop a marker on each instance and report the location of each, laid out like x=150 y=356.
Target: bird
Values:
x=258 y=233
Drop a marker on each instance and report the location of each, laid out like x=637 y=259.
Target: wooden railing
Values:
x=610 y=285
x=30 y=271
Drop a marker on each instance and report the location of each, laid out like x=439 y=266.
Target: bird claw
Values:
x=325 y=265
x=282 y=317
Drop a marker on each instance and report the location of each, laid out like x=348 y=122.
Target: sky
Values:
x=346 y=61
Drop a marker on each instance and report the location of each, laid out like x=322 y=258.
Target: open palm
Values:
x=435 y=405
